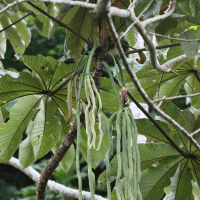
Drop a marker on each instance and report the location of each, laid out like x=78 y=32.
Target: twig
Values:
x=17 y=21
x=160 y=103
x=183 y=79
x=159 y=17
x=132 y=4
x=129 y=28
x=51 y=185
x=144 y=49
x=59 y=22
x=178 y=39
x=139 y=87
x=195 y=132
x=175 y=97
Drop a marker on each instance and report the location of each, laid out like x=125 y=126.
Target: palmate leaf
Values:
x=186 y=119
x=11 y=132
x=155 y=178
x=151 y=153
x=26 y=154
x=181 y=185
x=47 y=128
x=12 y=88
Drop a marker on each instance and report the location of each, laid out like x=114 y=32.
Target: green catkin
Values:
x=77 y=150
x=130 y=171
x=92 y=111
x=121 y=189
x=124 y=154
x=98 y=112
x=112 y=119
x=113 y=83
x=137 y=153
x=90 y=173
x=119 y=169
x=108 y=174
x=87 y=117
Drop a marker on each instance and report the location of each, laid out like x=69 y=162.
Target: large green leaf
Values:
x=151 y=153
x=22 y=28
x=11 y=132
x=42 y=23
x=82 y=23
x=40 y=65
x=189 y=48
x=62 y=12
x=12 y=87
x=181 y=185
x=26 y=154
x=13 y=34
x=47 y=129
x=155 y=178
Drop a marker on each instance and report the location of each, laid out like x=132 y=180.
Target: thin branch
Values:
x=195 y=132
x=159 y=17
x=183 y=79
x=140 y=15
x=175 y=97
x=17 y=21
x=157 y=47
x=59 y=22
x=51 y=185
x=178 y=39
x=105 y=74
x=132 y=4
x=139 y=87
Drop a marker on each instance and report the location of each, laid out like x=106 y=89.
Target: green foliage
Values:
x=34 y=119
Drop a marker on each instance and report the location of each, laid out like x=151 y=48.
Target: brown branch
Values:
x=59 y=22
x=17 y=21
x=144 y=49
x=63 y=148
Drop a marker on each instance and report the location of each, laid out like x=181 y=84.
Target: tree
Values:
x=41 y=101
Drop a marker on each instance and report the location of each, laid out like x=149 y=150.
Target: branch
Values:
x=159 y=17
x=144 y=49
x=140 y=15
x=139 y=87
x=113 y=10
x=178 y=39
x=175 y=97
x=63 y=148
x=17 y=21
x=51 y=185
x=59 y=22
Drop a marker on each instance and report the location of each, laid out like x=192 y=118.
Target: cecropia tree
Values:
x=79 y=109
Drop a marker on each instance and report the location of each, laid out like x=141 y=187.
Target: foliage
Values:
x=34 y=98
